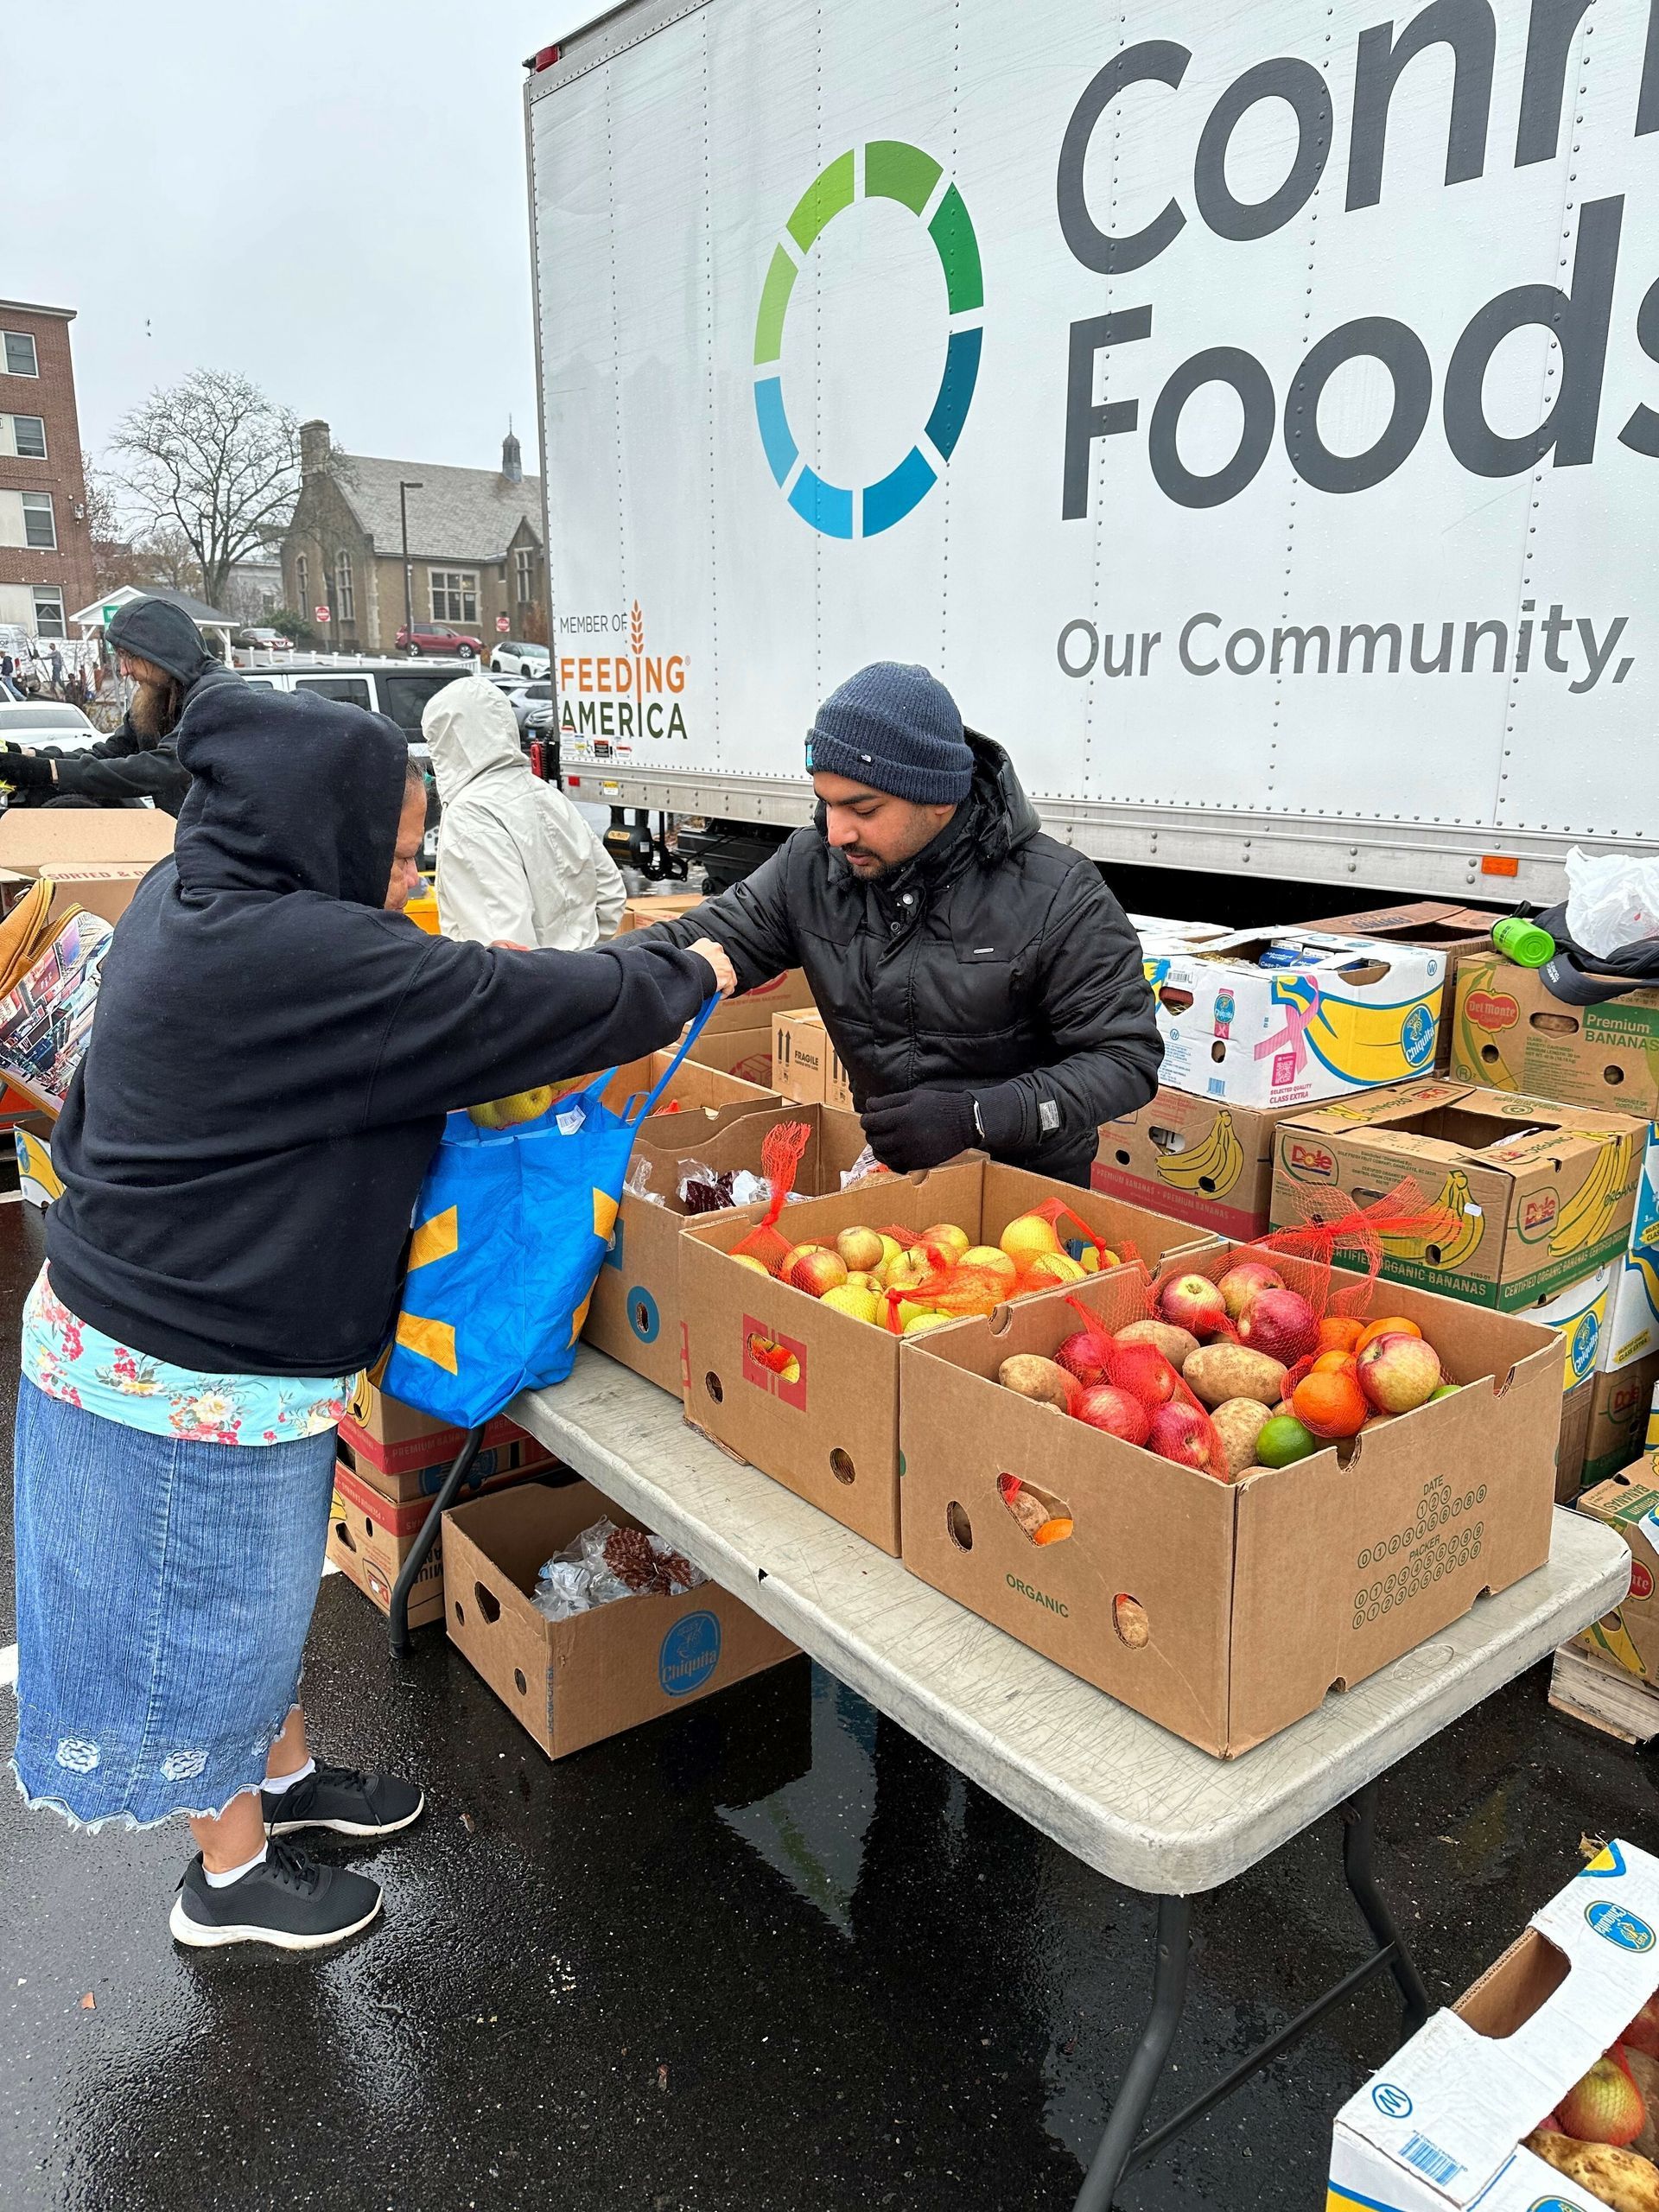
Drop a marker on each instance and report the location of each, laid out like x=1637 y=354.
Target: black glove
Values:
x=918 y=1128
x=24 y=772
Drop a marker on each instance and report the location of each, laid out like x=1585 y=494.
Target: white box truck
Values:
x=1250 y=412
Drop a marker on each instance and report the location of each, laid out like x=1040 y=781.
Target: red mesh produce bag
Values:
x=780 y=1159
x=1189 y=1437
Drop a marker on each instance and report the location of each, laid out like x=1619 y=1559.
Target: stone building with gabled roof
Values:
x=475 y=550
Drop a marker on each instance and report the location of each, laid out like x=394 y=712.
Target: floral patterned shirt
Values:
x=71 y=1360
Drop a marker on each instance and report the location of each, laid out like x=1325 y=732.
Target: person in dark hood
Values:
x=977 y=978
x=275 y=1049
x=160 y=650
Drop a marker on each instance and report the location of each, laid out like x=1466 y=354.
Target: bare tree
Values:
x=214 y=462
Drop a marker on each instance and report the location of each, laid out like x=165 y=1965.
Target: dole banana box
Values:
x=810 y=1395
x=1198 y=1159
x=1507 y=1199
x=1632 y=1330
x=1248 y=1601
x=1629 y=1636
x=1508 y=1030
x=1259 y=1018
x=1444 y=2124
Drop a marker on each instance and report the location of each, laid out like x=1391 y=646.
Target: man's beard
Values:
x=155 y=709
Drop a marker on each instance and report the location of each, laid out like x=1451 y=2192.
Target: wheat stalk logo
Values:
x=637 y=629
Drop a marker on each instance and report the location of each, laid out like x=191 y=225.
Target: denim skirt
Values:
x=164 y=1589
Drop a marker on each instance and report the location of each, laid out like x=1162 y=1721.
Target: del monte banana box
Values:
x=1508 y=1030
x=1267 y=1017
x=1515 y=1197
x=1199 y=1159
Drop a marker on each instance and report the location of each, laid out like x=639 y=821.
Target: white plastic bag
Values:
x=1612 y=900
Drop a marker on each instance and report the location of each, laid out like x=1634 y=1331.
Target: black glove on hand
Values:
x=918 y=1128
x=24 y=772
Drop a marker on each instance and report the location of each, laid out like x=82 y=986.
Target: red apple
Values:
x=1181 y=1432
x=814 y=1270
x=1239 y=1284
x=1643 y=2034
x=1279 y=1323
x=1142 y=1370
x=1398 y=1373
x=1192 y=1302
x=1116 y=1411
x=1081 y=1354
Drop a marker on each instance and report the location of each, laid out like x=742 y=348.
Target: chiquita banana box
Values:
x=1261 y=1019
x=1473 y=2110
x=1475 y=1193
x=1633 y=1315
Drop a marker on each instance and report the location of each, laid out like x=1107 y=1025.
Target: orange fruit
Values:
x=1331 y=1404
x=1338 y=1333
x=1335 y=1363
x=1391 y=1324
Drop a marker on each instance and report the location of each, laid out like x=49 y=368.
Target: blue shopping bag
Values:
x=509 y=1231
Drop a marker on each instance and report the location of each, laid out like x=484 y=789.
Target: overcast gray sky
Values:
x=326 y=195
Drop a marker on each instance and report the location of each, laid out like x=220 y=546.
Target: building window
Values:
x=21 y=358
x=524 y=562
x=40 y=525
x=23 y=435
x=301 y=581
x=344 y=599
x=48 y=610
x=454 y=594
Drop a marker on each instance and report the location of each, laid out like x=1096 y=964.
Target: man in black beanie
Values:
x=977 y=978
x=161 y=649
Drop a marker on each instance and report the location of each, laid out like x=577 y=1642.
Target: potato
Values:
x=1217 y=1372
x=1176 y=1345
x=1043 y=1381
x=1238 y=1423
x=1623 y=2179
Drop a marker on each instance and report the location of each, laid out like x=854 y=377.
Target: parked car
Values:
x=43 y=721
x=249 y=646
x=532 y=707
x=436 y=638
x=515 y=657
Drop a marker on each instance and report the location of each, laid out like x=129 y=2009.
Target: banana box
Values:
x=1633 y=1317
x=1452 y=2118
x=1263 y=1019
x=1579 y=1316
x=1494 y=1199
x=1445 y=927
x=1158 y=929
x=1629 y=1636
x=1510 y=1030
x=1620 y=1405
x=1199 y=1159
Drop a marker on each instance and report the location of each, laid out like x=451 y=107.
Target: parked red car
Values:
x=436 y=638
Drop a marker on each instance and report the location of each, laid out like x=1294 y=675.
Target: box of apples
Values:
x=1222 y=1493
x=792 y=1337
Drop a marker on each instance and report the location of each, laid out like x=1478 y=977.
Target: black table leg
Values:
x=1140 y=2078
x=1358 y=1833
x=460 y=1468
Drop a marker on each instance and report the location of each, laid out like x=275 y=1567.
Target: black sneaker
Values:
x=288 y=1900
x=350 y=1804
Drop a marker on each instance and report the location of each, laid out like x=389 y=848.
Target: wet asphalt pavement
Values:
x=768 y=1955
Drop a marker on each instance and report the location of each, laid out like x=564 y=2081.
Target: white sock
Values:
x=274 y=1784
x=223 y=1881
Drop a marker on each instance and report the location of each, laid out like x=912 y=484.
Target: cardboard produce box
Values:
x=1633 y=1314
x=827 y=1427
x=1620 y=1405
x=396 y=1439
x=1534 y=1196
x=1250 y=1599
x=574 y=1682
x=97 y=856
x=370 y=1541
x=1159 y=929
x=636 y=1314
x=805 y=1065
x=1510 y=1030
x=1571 y=1452
x=746 y=1053
x=1445 y=2123
x=1435 y=924
x=695 y=1087
x=1629 y=1636
x=516 y=1455
x=668 y=907
x=1197 y=1159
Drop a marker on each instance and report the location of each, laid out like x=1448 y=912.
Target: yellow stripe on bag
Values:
x=605 y=1212
x=433 y=1340
x=434 y=1240
x=580 y=1316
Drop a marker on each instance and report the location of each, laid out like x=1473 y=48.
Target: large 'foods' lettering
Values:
x=1578 y=313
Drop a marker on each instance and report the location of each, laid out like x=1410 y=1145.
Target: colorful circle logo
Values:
x=884 y=168
x=688 y=1654
x=1417 y=1036
x=1617 y=1924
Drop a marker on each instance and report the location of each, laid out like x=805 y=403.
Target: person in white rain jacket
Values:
x=517 y=863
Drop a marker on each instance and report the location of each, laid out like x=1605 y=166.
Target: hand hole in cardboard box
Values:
x=343 y=1535
x=1612 y=1076
x=461 y=1615
x=1168 y=1141
x=1173 y=1000
x=519 y=1683
x=488 y=1604
x=841 y=1466
x=1519 y=1985
x=1121 y=1157
x=711 y=1383
x=1041 y=1517
x=1131 y=1619
x=1364 y=973
x=1553 y=1025
x=1218 y=1051
x=959 y=1528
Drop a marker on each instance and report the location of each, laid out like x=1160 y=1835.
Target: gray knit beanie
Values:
x=897 y=728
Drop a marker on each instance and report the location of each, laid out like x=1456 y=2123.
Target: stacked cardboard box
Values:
x=97 y=856
x=1198 y=1159
x=1433 y=925
x=805 y=1065
x=667 y=907
x=737 y=1036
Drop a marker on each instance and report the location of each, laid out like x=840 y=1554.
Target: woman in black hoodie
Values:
x=241 y=1151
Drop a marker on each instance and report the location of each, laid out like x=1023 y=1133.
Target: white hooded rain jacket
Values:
x=516 y=860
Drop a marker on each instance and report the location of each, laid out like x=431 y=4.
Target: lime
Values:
x=1282 y=1440
x=1445 y=1390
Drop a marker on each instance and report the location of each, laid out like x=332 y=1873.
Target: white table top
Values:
x=1115 y=1790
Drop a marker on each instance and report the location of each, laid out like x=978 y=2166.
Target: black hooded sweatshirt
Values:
x=273 y=1054
x=127 y=765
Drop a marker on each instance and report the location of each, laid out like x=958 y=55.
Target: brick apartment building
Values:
x=46 y=547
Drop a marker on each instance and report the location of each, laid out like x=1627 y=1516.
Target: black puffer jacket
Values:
x=127 y=766
x=997 y=961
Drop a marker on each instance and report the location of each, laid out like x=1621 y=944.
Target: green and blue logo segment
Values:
x=890 y=170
